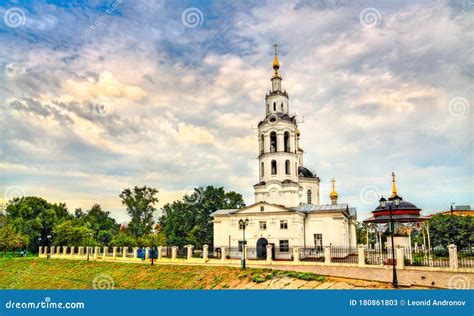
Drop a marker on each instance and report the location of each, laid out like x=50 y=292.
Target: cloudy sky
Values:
x=99 y=96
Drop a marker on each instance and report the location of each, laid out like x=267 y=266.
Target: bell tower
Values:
x=278 y=152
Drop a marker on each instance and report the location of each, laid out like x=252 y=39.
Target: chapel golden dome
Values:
x=333 y=194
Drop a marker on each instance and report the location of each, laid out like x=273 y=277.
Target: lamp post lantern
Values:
x=243 y=224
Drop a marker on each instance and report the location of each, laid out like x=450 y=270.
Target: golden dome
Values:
x=298 y=132
x=333 y=194
x=276 y=63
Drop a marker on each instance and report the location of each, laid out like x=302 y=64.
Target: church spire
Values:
x=333 y=196
x=276 y=63
x=394 y=186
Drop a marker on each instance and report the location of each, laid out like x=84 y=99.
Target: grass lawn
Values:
x=35 y=273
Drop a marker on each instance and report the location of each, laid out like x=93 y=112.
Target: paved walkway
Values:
x=436 y=279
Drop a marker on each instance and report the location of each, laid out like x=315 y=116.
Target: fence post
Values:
x=40 y=251
x=158 y=255
x=124 y=252
x=269 y=254
x=64 y=250
x=147 y=253
x=52 y=251
x=135 y=251
x=400 y=255
x=114 y=252
x=327 y=254
x=189 y=254
x=72 y=251
x=58 y=250
x=80 y=250
x=205 y=253
x=223 y=254
x=361 y=255
x=453 y=256
x=106 y=250
x=173 y=253
x=296 y=254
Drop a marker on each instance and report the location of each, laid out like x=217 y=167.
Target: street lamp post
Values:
x=152 y=254
x=383 y=203
x=89 y=234
x=49 y=248
x=243 y=224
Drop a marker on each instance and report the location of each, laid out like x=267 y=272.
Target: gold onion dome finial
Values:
x=298 y=132
x=276 y=63
x=333 y=194
x=394 y=186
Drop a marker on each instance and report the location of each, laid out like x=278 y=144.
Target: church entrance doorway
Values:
x=262 y=248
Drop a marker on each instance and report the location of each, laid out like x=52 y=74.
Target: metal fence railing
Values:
x=466 y=258
x=283 y=254
x=341 y=254
x=312 y=254
x=438 y=257
x=376 y=256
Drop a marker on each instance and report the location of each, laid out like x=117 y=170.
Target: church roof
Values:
x=309 y=208
x=304 y=208
x=281 y=116
x=304 y=172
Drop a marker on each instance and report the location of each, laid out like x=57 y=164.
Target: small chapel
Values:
x=287 y=211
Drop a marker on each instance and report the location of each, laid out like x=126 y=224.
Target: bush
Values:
x=258 y=279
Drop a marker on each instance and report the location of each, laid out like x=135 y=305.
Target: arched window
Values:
x=282 y=106
x=287 y=167
x=273 y=142
x=274 y=106
x=308 y=195
x=262 y=144
x=286 y=142
x=262 y=170
x=274 y=167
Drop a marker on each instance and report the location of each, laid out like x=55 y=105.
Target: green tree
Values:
x=103 y=226
x=189 y=221
x=10 y=239
x=73 y=233
x=448 y=229
x=140 y=203
x=35 y=217
x=123 y=239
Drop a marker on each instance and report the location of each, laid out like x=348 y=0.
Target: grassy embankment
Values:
x=35 y=273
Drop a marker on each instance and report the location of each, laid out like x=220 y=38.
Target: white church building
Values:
x=287 y=210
